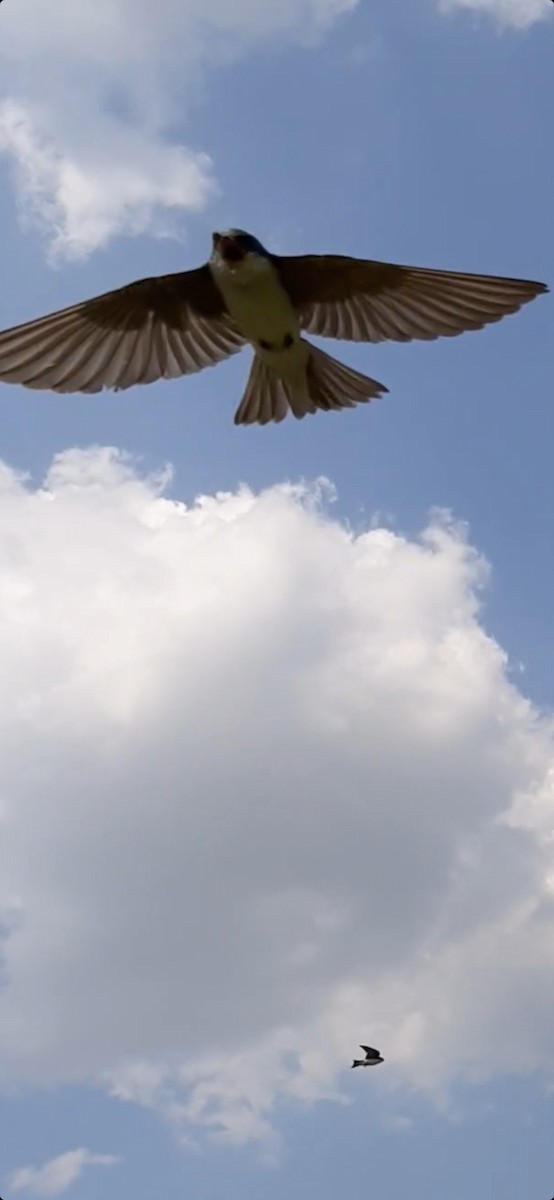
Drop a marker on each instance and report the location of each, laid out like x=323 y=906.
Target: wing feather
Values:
x=365 y=301
x=152 y=329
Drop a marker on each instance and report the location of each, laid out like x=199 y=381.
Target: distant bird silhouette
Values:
x=372 y=1058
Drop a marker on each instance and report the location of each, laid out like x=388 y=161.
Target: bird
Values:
x=173 y=325
x=372 y=1058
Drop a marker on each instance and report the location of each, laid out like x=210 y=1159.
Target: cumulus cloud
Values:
x=268 y=790
x=57 y=1175
x=516 y=14
x=93 y=93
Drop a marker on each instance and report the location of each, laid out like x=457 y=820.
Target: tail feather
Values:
x=333 y=385
x=265 y=398
x=328 y=385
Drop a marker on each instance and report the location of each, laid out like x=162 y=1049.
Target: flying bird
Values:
x=372 y=1058
x=174 y=325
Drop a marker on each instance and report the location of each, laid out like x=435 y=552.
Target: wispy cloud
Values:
x=516 y=14
x=120 y=182
x=58 y=1174
x=92 y=96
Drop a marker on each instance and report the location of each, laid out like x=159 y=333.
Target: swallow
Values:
x=372 y=1058
x=173 y=325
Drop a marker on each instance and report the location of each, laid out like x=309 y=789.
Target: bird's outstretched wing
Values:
x=153 y=329
x=360 y=300
x=370 y=1051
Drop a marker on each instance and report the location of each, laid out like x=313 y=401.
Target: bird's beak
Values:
x=228 y=249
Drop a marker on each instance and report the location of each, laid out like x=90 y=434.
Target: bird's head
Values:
x=233 y=247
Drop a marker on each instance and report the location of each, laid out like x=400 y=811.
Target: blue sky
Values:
x=416 y=133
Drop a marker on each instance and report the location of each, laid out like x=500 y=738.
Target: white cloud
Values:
x=92 y=93
x=517 y=14
x=267 y=792
x=57 y=1175
x=130 y=185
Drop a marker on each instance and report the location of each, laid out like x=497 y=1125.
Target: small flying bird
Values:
x=173 y=325
x=372 y=1058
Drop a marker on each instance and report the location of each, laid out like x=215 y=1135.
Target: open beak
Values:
x=228 y=249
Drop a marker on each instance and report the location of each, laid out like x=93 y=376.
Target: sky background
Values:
x=276 y=704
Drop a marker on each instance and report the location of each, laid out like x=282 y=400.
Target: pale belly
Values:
x=265 y=316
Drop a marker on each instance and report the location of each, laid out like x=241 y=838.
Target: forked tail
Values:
x=327 y=385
